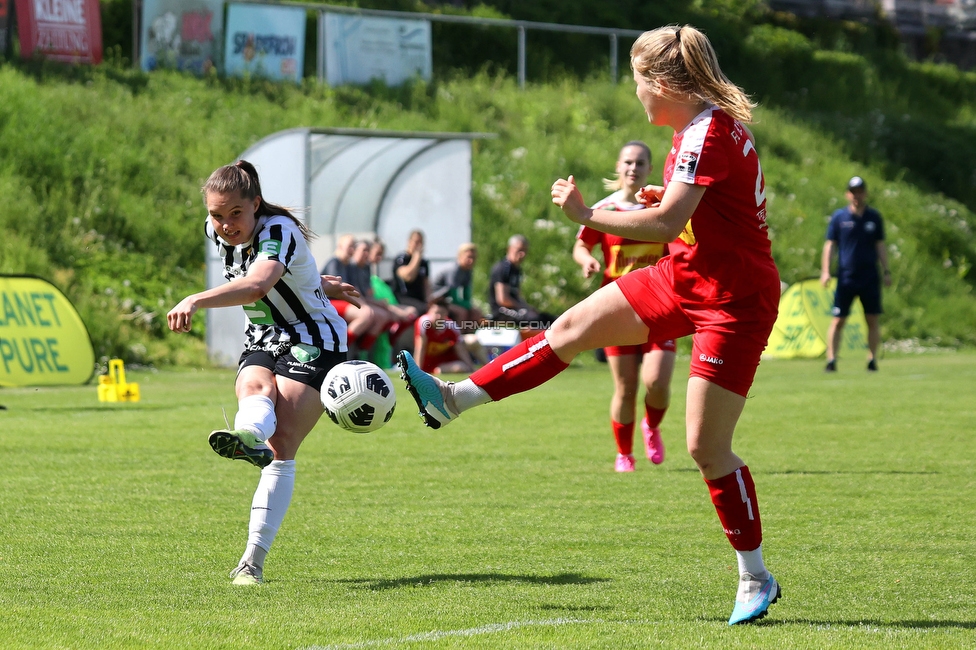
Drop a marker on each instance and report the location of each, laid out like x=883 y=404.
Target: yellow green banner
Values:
x=804 y=318
x=43 y=341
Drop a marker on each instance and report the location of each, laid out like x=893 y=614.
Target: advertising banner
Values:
x=60 y=30
x=361 y=48
x=265 y=41
x=804 y=318
x=181 y=34
x=43 y=341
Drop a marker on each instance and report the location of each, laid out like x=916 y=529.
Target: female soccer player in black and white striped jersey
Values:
x=294 y=337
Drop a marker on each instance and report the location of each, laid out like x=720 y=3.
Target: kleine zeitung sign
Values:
x=60 y=30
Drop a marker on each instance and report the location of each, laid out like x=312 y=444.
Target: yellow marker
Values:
x=113 y=387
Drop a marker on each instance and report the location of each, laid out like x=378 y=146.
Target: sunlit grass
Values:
x=508 y=529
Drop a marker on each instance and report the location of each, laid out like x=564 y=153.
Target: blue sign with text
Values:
x=265 y=41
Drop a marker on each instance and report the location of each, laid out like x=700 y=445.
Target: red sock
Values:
x=734 y=497
x=529 y=364
x=624 y=435
x=653 y=415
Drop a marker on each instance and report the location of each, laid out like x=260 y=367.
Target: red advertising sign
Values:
x=61 y=30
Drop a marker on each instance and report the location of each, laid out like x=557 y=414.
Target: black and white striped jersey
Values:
x=295 y=310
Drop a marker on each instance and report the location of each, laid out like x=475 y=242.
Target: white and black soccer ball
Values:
x=358 y=396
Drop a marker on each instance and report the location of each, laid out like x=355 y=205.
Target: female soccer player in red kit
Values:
x=653 y=361
x=719 y=282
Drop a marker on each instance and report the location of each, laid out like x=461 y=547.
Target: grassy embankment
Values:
x=101 y=171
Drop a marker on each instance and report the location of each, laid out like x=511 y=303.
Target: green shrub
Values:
x=102 y=195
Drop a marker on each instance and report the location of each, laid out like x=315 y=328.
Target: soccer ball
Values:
x=358 y=396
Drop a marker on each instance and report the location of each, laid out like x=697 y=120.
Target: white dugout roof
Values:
x=363 y=182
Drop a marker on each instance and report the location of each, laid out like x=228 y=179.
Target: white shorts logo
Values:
x=712 y=360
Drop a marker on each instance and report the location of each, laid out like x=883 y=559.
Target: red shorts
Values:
x=627 y=350
x=340 y=306
x=729 y=338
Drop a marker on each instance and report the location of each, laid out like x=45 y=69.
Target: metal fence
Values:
x=909 y=16
x=521 y=27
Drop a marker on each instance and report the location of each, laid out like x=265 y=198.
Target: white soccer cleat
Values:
x=754 y=597
x=247 y=574
x=241 y=445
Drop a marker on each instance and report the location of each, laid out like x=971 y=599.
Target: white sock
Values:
x=256 y=413
x=752 y=562
x=467 y=395
x=271 y=500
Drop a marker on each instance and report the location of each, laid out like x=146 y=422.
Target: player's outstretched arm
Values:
x=583 y=255
x=260 y=278
x=662 y=223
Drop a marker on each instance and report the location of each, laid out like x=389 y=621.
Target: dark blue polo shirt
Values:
x=856 y=239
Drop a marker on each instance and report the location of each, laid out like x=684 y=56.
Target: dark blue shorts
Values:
x=869 y=293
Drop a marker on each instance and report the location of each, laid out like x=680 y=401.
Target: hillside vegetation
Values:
x=101 y=170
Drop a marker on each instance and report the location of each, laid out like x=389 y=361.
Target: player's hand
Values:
x=650 y=195
x=336 y=289
x=592 y=266
x=825 y=278
x=568 y=197
x=180 y=317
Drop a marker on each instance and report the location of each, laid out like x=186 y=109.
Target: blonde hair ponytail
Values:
x=684 y=59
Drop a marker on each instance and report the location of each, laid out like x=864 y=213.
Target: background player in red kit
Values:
x=438 y=345
x=651 y=362
x=719 y=282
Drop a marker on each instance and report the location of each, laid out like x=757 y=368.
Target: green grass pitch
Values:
x=509 y=529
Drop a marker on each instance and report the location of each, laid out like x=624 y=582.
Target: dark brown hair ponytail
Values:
x=242 y=177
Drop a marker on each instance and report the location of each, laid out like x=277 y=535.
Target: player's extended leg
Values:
x=656 y=371
x=299 y=408
x=255 y=421
x=711 y=415
x=625 y=370
x=604 y=318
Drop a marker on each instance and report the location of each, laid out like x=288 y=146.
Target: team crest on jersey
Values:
x=686 y=163
x=869 y=226
x=305 y=353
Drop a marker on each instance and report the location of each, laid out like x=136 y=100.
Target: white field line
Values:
x=442 y=634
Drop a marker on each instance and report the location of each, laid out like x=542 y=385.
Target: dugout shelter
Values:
x=363 y=182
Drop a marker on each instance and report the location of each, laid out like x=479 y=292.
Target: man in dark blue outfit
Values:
x=857 y=232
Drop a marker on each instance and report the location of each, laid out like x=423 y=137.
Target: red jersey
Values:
x=620 y=255
x=724 y=252
x=441 y=335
